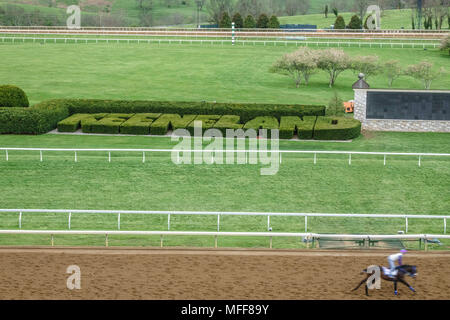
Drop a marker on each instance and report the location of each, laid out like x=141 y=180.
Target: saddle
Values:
x=387 y=272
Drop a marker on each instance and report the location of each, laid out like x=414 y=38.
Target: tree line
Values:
x=303 y=63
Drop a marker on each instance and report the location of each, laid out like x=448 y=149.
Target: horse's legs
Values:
x=359 y=285
x=395 y=287
x=406 y=284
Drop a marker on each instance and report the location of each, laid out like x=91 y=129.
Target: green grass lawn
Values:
x=390 y=19
x=183 y=72
x=300 y=186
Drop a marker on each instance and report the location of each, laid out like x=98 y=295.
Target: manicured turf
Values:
x=183 y=72
x=390 y=19
x=300 y=186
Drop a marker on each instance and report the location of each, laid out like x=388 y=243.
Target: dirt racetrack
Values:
x=134 y=273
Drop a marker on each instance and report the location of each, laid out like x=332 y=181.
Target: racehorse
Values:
x=399 y=277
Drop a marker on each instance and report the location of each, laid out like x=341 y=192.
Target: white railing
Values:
x=309 y=237
x=69 y=212
x=144 y=151
x=223 y=41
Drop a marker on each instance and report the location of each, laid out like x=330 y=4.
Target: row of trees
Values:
x=263 y=21
x=305 y=62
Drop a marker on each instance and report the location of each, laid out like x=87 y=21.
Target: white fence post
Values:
x=20 y=220
x=406 y=224
x=445 y=225
x=315 y=158
x=218 y=222
x=384 y=160
x=268 y=223
x=143 y=157
x=40 y=154
x=349 y=158
x=306 y=223
x=118 y=221
x=419 y=160
x=76 y=158
x=168 y=221
x=7 y=157
x=109 y=156
x=70 y=217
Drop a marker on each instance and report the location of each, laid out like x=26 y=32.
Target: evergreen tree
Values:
x=339 y=23
x=263 y=22
x=355 y=23
x=249 y=22
x=274 y=23
x=238 y=22
x=225 y=22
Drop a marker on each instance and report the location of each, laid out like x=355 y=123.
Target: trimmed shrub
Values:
x=225 y=21
x=13 y=97
x=246 y=111
x=249 y=22
x=109 y=124
x=139 y=123
x=228 y=122
x=170 y=122
x=38 y=119
x=343 y=129
x=355 y=23
x=86 y=123
x=339 y=23
x=295 y=125
x=263 y=21
x=274 y=23
x=262 y=123
x=73 y=123
x=208 y=121
x=238 y=21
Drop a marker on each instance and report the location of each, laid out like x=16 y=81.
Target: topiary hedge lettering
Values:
x=246 y=111
x=307 y=127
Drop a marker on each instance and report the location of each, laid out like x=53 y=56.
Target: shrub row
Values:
x=246 y=111
x=308 y=127
x=13 y=97
x=34 y=120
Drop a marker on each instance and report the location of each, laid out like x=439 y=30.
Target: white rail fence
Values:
x=246 y=152
x=224 y=41
x=308 y=237
x=69 y=213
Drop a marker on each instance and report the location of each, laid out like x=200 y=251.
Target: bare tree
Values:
x=392 y=70
x=424 y=72
x=216 y=9
x=334 y=62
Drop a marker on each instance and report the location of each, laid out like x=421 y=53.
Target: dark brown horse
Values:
x=399 y=277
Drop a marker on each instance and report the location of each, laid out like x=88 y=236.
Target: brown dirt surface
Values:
x=135 y=273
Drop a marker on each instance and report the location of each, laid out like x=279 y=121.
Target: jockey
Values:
x=395 y=257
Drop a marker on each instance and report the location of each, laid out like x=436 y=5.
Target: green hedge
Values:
x=13 y=97
x=139 y=123
x=109 y=124
x=207 y=122
x=246 y=111
x=344 y=129
x=296 y=125
x=170 y=122
x=265 y=122
x=228 y=122
x=37 y=119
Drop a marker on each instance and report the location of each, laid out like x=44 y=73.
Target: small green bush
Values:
x=139 y=124
x=295 y=125
x=228 y=122
x=274 y=23
x=344 y=129
x=13 y=97
x=170 y=122
x=207 y=121
x=263 y=21
x=249 y=22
